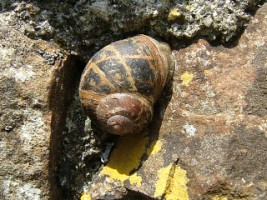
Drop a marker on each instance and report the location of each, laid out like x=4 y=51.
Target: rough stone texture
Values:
x=85 y=26
x=33 y=95
x=211 y=141
x=208 y=142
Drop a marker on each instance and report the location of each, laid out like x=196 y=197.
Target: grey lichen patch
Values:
x=22 y=74
x=190 y=130
x=25 y=128
x=86 y=26
x=214 y=19
x=6 y=55
x=33 y=131
x=22 y=190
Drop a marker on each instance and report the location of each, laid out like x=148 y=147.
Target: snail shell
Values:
x=122 y=82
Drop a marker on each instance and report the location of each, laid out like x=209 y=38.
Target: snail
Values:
x=121 y=83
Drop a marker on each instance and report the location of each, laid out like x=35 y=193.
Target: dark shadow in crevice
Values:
x=60 y=95
x=160 y=108
x=154 y=128
x=133 y=195
x=82 y=144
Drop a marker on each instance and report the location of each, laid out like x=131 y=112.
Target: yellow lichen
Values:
x=135 y=179
x=155 y=147
x=217 y=197
x=85 y=196
x=108 y=187
x=162 y=181
x=172 y=182
x=173 y=14
x=206 y=72
x=186 y=78
x=125 y=158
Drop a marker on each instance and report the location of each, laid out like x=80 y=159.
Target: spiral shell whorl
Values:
x=123 y=113
x=122 y=82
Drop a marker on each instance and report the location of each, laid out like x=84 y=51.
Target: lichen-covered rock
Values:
x=86 y=26
x=32 y=101
x=212 y=141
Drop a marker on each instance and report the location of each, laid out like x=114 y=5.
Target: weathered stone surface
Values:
x=85 y=26
x=33 y=84
x=211 y=143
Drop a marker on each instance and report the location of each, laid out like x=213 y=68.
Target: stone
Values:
x=86 y=26
x=208 y=136
x=209 y=140
x=34 y=77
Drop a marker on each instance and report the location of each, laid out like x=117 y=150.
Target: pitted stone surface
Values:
x=212 y=140
x=26 y=118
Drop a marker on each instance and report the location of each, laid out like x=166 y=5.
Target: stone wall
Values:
x=207 y=139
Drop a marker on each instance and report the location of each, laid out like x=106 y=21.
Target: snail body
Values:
x=122 y=82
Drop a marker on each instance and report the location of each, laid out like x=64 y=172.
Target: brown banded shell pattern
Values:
x=132 y=66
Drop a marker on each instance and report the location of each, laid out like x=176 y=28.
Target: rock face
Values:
x=34 y=79
x=210 y=142
x=86 y=26
x=207 y=139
